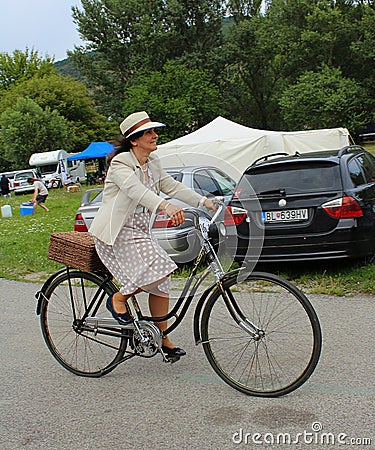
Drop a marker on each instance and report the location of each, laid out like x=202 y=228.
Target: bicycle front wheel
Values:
x=262 y=336
x=66 y=301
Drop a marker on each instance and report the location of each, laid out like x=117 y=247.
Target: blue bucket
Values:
x=26 y=209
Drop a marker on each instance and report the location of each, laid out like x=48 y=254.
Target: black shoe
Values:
x=176 y=351
x=123 y=318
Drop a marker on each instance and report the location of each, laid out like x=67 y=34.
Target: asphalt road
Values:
x=146 y=404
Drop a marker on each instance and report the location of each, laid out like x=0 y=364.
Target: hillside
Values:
x=66 y=67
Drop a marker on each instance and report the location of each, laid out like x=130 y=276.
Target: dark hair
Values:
x=31 y=180
x=122 y=145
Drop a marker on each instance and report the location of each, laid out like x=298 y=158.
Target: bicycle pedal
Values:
x=171 y=359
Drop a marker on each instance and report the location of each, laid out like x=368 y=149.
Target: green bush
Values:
x=25 y=239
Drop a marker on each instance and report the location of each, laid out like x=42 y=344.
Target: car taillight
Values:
x=16 y=184
x=162 y=220
x=234 y=215
x=343 y=208
x=79 y=224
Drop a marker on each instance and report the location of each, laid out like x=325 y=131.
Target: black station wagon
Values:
x=311 y=206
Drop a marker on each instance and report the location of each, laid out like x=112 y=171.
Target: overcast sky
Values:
x=45 y=25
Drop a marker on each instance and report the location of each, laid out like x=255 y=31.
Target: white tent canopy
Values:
x=233 y=147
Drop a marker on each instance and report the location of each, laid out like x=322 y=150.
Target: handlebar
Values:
x=202 y=225
x=195 y=214
x=220 y=207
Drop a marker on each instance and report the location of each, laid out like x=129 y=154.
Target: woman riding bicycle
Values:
x=122 y=228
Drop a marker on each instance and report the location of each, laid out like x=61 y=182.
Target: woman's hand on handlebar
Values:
x=210 y=204
x=176 y=214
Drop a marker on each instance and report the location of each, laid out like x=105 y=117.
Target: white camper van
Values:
x=54 y=168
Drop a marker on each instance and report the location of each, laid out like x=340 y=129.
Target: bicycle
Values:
x=259 y=332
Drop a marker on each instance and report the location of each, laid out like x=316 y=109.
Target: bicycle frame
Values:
x=187 y=295
x=190 y=288
x=110 y=326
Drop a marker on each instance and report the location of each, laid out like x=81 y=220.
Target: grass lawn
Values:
x=370 y=146
x=25 y=239
x=24 y=248
x=341 y=278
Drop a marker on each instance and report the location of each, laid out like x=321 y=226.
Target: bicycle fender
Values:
x=202 y=301
x=197 y=314
x=38 y=295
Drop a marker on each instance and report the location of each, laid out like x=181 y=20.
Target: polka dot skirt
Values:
x=135 y=259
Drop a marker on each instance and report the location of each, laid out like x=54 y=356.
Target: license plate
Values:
x=288 y=215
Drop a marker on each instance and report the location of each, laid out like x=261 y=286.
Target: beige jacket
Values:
x=124 y=191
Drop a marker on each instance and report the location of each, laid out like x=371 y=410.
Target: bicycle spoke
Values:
x=285 y=352
x=83 y=352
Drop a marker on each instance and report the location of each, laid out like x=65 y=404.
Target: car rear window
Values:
x=24 y=175
x=176 y=175
x=226 y=184
x=355 y=172
x=9 y=175
x=204 y=184
x=293 y=178
x=368 y=163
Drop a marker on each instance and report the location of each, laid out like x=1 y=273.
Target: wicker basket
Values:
x=75 y=249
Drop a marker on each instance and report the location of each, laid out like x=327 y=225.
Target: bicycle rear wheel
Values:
x=66 y=300
x=279 y=353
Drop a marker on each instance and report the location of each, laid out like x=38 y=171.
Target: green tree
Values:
x=21 y=66
x=242 y=9
x=70 y=98
x=125 y=37
x=364 y=49
x=193 y=26
x=324 y=99
x=27 y=128
x=113 y=32
x=185 y=99
x=251 y=74
x=265 y=54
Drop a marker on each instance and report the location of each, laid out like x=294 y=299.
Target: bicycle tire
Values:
x=284 y=357
x=81 y=352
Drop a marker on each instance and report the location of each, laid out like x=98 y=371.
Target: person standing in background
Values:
x=5 y=186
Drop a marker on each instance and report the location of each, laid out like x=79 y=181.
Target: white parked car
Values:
x=20 y=184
